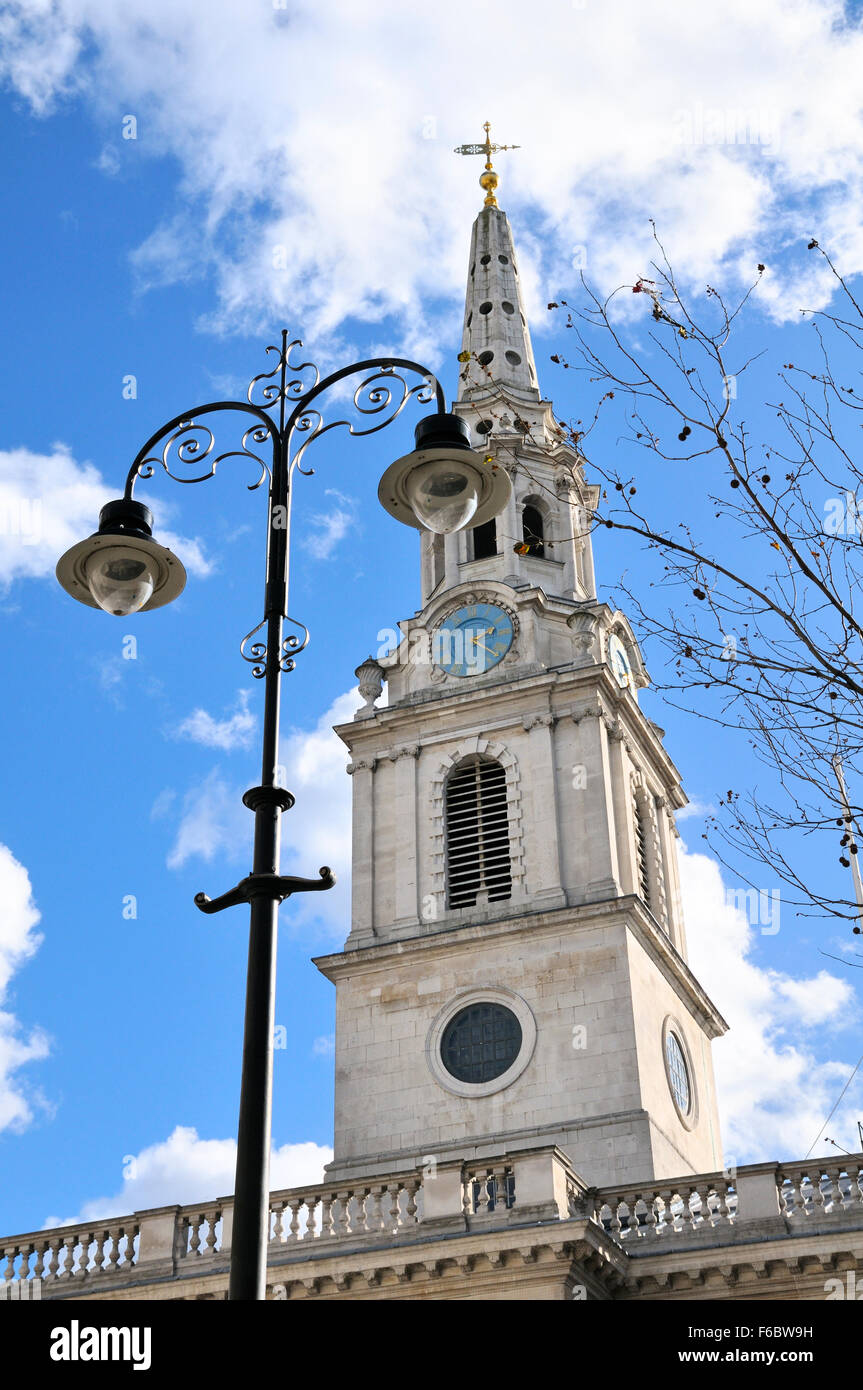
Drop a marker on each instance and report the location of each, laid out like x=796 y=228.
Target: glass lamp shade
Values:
x=444 y=494
x=121 y=580
x=444 y=486
x=122 y=569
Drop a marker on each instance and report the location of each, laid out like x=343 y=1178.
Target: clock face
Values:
x=619 y=661
x=473 y=639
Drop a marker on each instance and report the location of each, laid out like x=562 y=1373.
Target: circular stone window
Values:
x=507 y=307
x=504 y=260
x=513 y=359
x=678 y=1071
x=485 y=358
x=485 y=427
x=481 y=1041
x=484 y=260
x=485 y=307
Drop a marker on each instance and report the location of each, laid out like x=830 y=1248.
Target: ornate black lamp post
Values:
x=443 y=486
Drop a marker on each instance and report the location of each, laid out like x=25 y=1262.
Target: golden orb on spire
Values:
x=488 y=180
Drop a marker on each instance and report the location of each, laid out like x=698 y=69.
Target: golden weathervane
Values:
x=488 y=179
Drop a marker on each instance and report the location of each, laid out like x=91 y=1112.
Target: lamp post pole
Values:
x=265 y=888
x=443 y=485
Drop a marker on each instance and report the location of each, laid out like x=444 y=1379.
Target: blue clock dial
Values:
x=473 y=639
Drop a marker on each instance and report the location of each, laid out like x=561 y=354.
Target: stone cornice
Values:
x=455 y=936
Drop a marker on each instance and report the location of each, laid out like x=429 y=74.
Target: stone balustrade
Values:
x=527 y=1187
x=666 y=1209
x=818 y=1189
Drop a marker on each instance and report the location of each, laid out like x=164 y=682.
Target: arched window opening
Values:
x=640 y=848
x=477 y=835
x=485 y=539
x=533 y=531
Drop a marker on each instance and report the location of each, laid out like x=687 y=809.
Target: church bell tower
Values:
x=516 y=969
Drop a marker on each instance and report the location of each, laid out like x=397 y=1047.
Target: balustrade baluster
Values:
x=310 y=1233
x=651 y=1221
x=378 y=1221
x=632 y=1215
x=834 y=1197
x=467 y=1196
x=289 y=1236
x=394 y=1188
x=614 y=1205
x=195 y=1234
x=54 y=1247
x=360 y=1226
x=483 y=1195
x=342 y=1224
x=69 y=1243
x=212 y=1218
x=413 y=1186
x=326 y=1217
x=84 y=1239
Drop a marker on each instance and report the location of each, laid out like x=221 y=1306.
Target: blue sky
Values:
x=294 y=127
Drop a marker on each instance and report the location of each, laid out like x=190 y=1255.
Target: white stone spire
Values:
x=495 y=331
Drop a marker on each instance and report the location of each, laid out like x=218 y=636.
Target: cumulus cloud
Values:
x=775 y=1083
x=234 y=732
x=185 y=1168
x=329 y=527
x=316 y=175
x=214 y=823
x=19 y=940
x=49 y=502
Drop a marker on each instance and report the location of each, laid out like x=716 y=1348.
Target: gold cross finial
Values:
x=488 y=179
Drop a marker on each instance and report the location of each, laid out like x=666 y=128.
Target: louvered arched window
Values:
x=641 y=848
x=477 y=834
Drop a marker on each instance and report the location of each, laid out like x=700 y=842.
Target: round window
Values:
x=480 y=1043
x=678 y=1074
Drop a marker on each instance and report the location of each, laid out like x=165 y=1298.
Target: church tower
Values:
x=516 y=972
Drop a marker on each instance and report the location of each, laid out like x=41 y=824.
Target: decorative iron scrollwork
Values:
x=291 y=385
x=257 y=653
x=190 y=442
x=375 y=395
x=293 y=644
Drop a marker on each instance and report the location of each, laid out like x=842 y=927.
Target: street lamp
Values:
x=443 y=486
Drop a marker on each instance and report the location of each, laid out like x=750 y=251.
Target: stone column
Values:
x=362 y=851
x=406 y=905
x=598 y=871
x=544 y=869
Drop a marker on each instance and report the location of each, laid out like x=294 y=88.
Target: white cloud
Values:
x=49 y=502
x=234 y=732
x=317 y=831
x=324 y=1046
x=695 y=807
x=214 y=823
x=317 y=179
x=331 y=526
x=775 y=1088
x=19 y=940
x=185 y=1168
